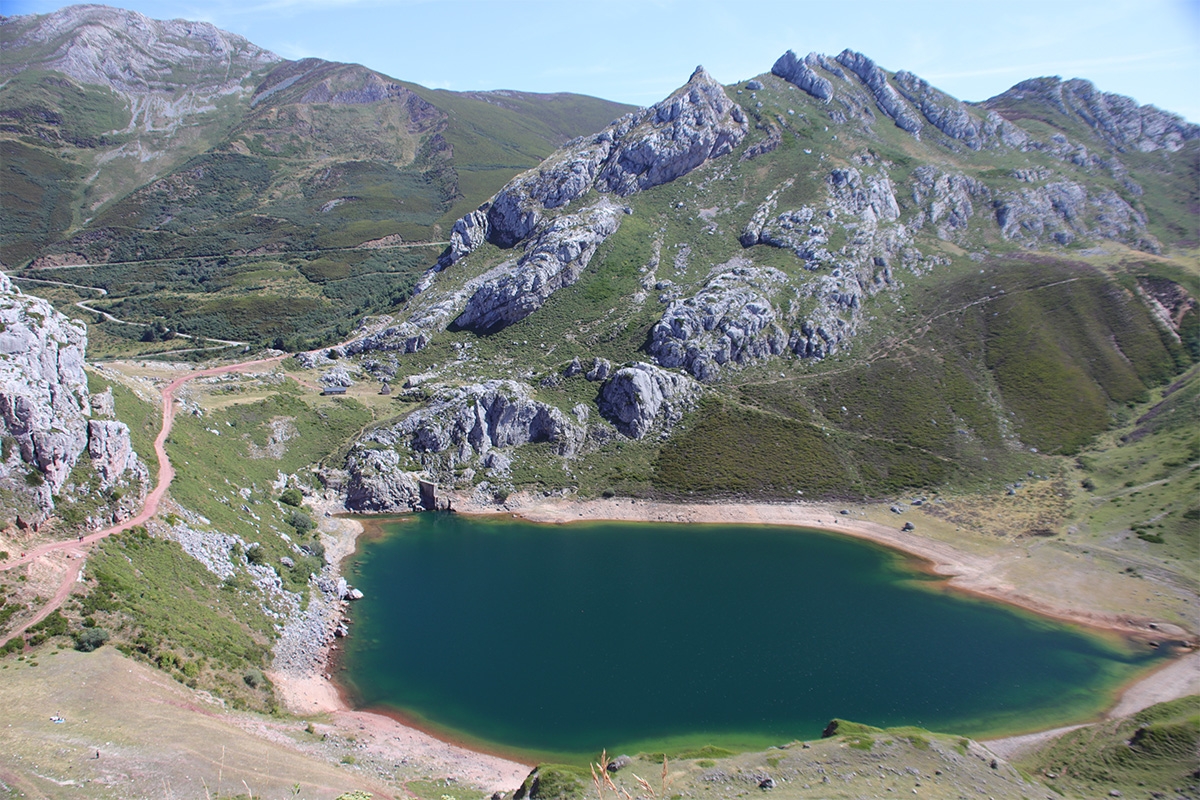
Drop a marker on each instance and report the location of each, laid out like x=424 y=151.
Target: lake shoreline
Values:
x=963 y=571
x=469 y=761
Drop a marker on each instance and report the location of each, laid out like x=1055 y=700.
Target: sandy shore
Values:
x=314 y=693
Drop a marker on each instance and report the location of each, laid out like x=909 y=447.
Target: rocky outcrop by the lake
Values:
x=730 y=321
x=644 y=148
x=44 y=399
x=468 y=426
x=641 y=397
x=377 y=481
x=553 y=259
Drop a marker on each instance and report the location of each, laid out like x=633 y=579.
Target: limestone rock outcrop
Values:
x=730 y=321
x=554 y=259
x=644 y=148
x=886 y=97
x=640 y=397
x=112 y=454
x=44 y=399
x=466 y=425
x=1063 y=210
x=44 y=413
x=1115 y=118
x=945 y=199
x=799 y=72
x=377 y=482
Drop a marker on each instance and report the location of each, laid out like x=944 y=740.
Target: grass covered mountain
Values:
x=192 y=153
x=827 y=281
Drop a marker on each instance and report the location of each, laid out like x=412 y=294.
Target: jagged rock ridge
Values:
x=645 y=148
x=45 y=408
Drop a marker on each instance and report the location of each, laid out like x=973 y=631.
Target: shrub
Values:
x=302 y=522
x=291 y=497
x=256 y=555
x=89 y=639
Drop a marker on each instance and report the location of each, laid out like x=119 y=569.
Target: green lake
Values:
x=562 y=640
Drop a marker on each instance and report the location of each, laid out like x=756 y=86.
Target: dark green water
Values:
x=567 y=639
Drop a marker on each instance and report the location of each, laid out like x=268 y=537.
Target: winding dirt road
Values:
x=77 y=550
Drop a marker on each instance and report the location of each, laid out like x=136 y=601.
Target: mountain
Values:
x=763 y=259
x=130 y=139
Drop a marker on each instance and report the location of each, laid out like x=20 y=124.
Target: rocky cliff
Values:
x=553 y=259
x=470 y=427
x=641 y=397
x=45 y=409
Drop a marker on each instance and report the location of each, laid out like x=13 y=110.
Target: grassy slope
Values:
x=1152 y=751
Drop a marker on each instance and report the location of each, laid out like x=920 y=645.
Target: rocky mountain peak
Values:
x=131 y=53
x=1117 y=119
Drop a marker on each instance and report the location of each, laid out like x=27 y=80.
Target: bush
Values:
x=302 y=522
x=253 y=678
x=89 y=639
x=256 y=555
x=291 y=497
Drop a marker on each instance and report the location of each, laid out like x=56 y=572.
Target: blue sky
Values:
x=637 y=51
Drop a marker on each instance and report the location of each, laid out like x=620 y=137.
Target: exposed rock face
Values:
x=1115 y=118
x=468 y=424
x=474 y=419
x=888 y=100
x=872 y=199
x=730 y=321
x=44 y=400
x=468 y=233
x=876 y=238
x=798 y=72
x=554 y=259
x=112 y=455
x=645 y=148
x=641 y=396
x=945 y=200
x=378 y=483
x=674 y=137
x=1064 y=210
x=943 y=112
x=44 y=409
x=133 y=54
x=338 y=376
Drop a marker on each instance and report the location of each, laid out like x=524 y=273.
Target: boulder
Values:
x=641 y=396
x=601 y=368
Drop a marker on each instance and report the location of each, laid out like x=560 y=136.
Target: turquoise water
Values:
x=569 y=639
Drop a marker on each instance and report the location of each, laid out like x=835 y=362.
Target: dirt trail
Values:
x=77 y=550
